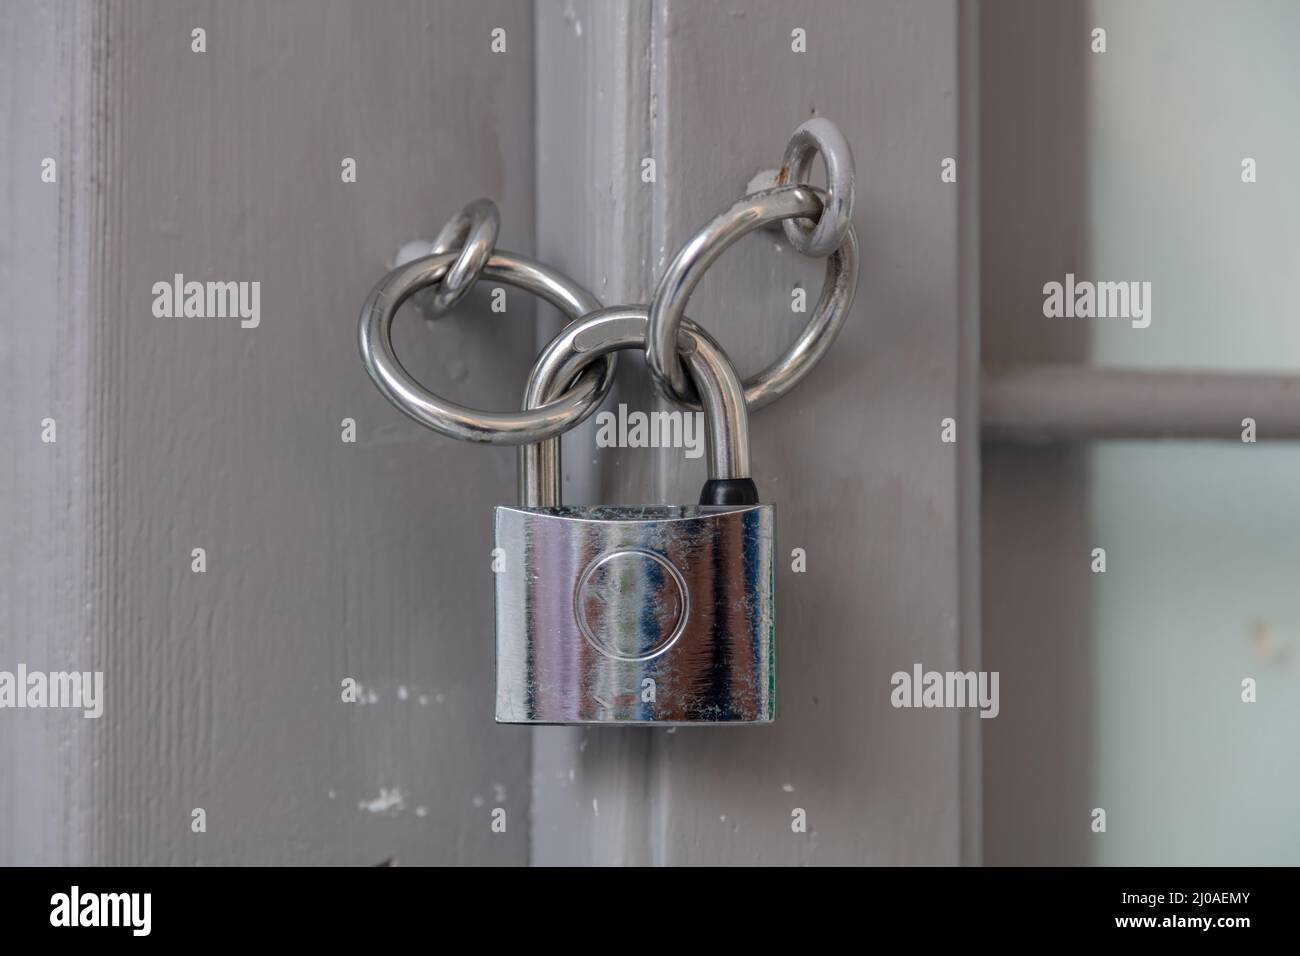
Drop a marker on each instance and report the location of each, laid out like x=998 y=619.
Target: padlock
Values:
x=637 y=614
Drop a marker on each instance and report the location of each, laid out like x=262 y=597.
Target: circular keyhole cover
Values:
x=631 y=605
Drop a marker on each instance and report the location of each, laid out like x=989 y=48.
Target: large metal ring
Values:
x=458 y=421
x=473 y=231
x=688 y=267
x=820 y=135
x=609 y=330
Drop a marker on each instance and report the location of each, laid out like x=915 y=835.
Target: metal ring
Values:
x=627 y=327
x=458 y=421
x=703 y=249
x=820 y=135
x=473 y=231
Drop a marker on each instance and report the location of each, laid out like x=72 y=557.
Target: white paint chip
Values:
x=388 y=801
x=571 y=16
x=421 y=811
x=788 y=787
x=401 y=692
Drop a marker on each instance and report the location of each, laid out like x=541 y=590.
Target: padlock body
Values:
x=636 y=615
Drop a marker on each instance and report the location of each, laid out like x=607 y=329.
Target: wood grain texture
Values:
x=324 y=559
x=852 y=458
x=46 y=260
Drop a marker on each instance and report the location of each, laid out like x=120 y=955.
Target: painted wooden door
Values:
x=231 y=524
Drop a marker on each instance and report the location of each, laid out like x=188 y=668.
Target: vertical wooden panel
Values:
x=45 y=357
x=1035 y=534
x=324 y=559
x=852 y=458
x=595 y=109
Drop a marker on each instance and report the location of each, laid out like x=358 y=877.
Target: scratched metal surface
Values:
x=683 y=629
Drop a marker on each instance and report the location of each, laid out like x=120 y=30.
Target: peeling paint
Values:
x=570 y=15
x=388 y=801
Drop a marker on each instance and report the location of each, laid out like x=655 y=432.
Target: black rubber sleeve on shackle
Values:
x=729 y=491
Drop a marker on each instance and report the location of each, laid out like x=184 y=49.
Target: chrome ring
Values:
x=602 y=333
x=473 y=231
x=820 y=135
x=693 y=259
x=457 y=421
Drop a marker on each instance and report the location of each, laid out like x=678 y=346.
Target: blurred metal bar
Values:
x=1038 y=403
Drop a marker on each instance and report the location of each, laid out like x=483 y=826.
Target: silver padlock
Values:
x=644 y=614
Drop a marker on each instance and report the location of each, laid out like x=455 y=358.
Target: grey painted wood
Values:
x=970 y=637
x=324 y=559
x=1036 y=403
x=46 y=359
x=594 y=99
x=853 y=458
x=1035 y=541
x=328 y=560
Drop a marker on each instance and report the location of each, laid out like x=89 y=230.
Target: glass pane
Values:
x=1185 y=94
x=1201 y=593
x=1202 y=586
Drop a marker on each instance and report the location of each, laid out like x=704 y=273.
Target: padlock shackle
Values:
x=624 y=327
